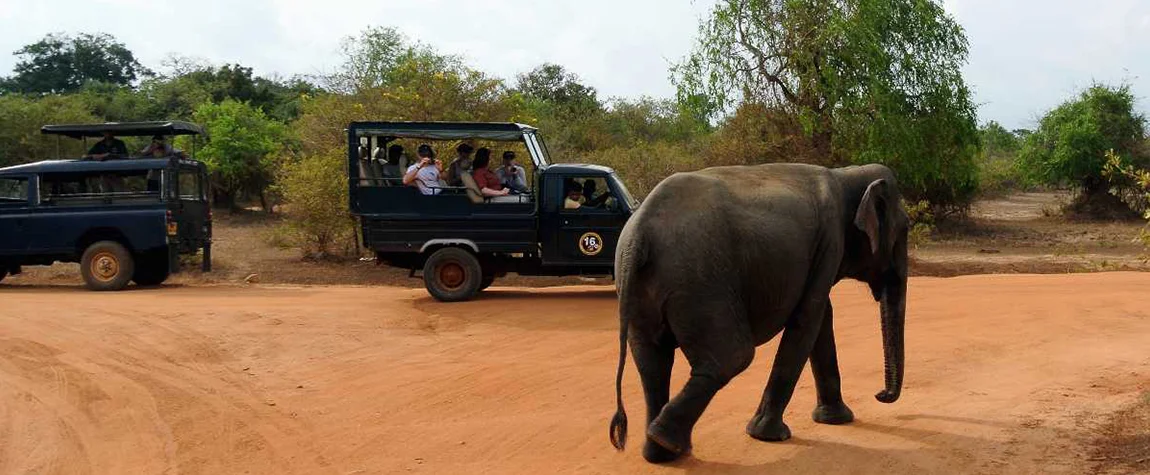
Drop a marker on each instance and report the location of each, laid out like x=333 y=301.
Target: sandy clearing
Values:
x=1006 y=374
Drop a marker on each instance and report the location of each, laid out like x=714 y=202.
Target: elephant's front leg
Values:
x=825 y=365
x=795 y=348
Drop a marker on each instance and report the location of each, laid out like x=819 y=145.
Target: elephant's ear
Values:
x=868 y=217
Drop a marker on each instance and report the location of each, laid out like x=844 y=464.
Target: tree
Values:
x=194 y=83
x=239 y=153
x=375 y=58
x=554 y=86
x=869 y=80
x=21 y=118
x=59 y=63
x=1070 y=144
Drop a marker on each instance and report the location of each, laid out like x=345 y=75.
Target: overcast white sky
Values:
x=1026 y=55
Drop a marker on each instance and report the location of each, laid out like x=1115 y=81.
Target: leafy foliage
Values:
x=1133 y=188
x=1070 y=144
x=60 y=63
x=868 y=80
x=239 y=152
x=20 y=121
x=998 y=167
x=316 y=188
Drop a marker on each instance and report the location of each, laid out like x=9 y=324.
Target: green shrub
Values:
x=315 y=188
x=921 y=222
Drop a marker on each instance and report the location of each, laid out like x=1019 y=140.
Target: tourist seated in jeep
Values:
x=485 y=179
x=424 y=174
x=511 y=175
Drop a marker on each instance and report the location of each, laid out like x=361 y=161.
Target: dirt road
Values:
x=1005 y=374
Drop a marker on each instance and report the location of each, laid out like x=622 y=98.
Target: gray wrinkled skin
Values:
x=719 y=261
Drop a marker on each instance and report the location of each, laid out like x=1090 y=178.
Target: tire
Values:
x=107 y=265
x=452 y=274
x=152 y=269
x=486 y=282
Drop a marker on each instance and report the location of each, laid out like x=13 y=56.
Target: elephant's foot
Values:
x=833 y=414
x=768 y=429
x=665 y=444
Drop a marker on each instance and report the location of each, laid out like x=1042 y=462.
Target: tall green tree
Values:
x=60 y=63
x=242 y=141
x=869 y=80
x=1070 y=144
x=376 y=57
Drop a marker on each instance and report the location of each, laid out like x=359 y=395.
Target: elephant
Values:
x=718 y=261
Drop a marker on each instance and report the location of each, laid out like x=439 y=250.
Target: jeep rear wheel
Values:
x=152 y=269
x=452 y=274
x=107 y=265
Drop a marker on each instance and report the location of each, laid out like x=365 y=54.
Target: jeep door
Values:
x=15 y=208
x=585 y=235
x=190 y=207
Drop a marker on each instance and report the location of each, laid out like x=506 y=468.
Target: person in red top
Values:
x=486 y=179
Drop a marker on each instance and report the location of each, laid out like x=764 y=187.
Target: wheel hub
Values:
x=105 y=266
x=452 y=275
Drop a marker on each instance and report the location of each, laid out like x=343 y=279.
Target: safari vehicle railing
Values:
x=83 y=132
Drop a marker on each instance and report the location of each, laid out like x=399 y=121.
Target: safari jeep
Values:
x=459 y=240
x=124 y=219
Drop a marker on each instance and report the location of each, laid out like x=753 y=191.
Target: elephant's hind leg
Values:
x=654 y=359
x=716 y=342
x=825 y=365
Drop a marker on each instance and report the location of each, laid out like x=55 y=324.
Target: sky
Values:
x=1026 y=57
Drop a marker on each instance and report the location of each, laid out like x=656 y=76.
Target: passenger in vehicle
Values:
x=108 y=146
x=459 y=166
x=393 y=166
x=159 y=148
x=589 y=198
x=574 y=195
x=485 y=179
x=511 y=175
x=425 y=173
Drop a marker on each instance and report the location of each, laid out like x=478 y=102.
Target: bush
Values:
x=644 y=165
x=921 y=222
x=315 y=188
x=1132 y=187
x=1069 y=147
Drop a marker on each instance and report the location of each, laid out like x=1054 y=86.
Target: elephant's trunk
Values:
x=893 y=309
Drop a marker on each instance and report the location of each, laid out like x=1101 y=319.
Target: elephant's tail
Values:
x=630 y=257
x=619 y=422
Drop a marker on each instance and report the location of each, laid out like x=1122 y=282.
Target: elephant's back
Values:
x=727 y=226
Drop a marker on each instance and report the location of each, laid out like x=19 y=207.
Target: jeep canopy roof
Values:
x=498 y=131
x=126 y=129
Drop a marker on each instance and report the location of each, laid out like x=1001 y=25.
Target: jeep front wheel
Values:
x=107 y=265
x=452 y=274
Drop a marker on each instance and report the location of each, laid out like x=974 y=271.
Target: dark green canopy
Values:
x=500 y=131
x=125 y=129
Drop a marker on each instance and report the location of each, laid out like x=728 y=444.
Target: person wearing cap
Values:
x=159 y=148
x=460 y=166
x=109 y=145
x=511 y=175
x=424 y=174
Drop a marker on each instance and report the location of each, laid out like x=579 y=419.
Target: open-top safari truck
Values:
x=123 y=217
x=460 y=240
